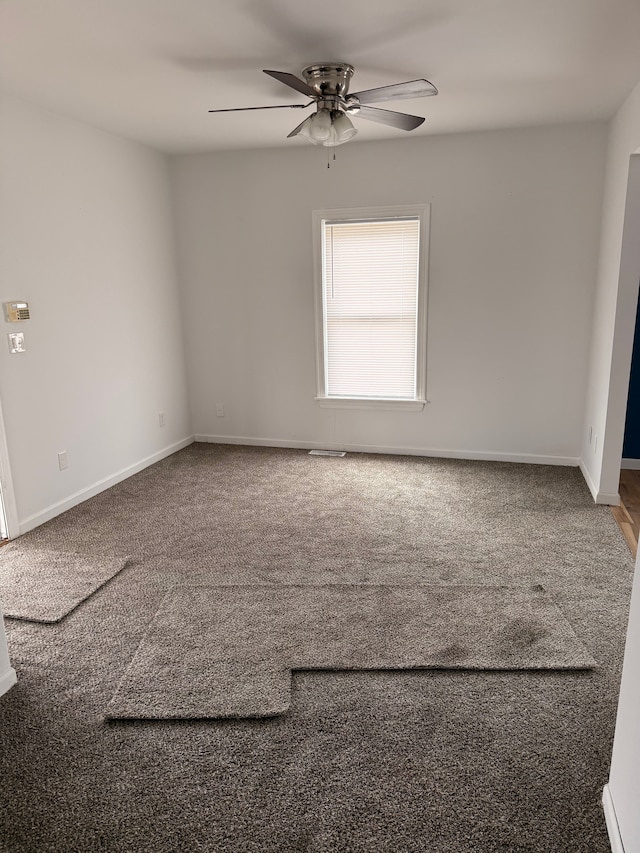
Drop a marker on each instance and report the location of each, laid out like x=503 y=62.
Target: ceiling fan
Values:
x=327 y=84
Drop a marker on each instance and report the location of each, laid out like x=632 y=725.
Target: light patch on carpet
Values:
x=228 y=651
x=44 y=585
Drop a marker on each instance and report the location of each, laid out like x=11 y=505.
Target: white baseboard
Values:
x=598 y=497
x=613 y=829
x=91 y=491
x=488 y=456
x=7 y=680
x=630 y=464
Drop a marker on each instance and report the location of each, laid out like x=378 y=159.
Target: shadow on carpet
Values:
x=228 y=651
x=45 y=586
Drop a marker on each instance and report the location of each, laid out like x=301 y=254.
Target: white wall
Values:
x=623 y=794
x=614 y=314
x=514 y=232
x=86 y=237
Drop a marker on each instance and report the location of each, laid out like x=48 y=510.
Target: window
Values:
x=371 y=306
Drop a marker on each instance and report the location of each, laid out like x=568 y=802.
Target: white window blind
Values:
x=370 y=304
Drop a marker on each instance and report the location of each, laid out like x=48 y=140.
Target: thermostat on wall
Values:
x=16 y=312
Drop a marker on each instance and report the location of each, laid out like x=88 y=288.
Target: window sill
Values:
x=390 y=405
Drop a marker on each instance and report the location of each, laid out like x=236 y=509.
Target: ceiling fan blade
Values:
x=292 y=81
x=276 y=107
x=397 y=91
x=296 y=130
x=403 y=121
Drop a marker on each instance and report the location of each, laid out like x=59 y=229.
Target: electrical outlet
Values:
x=63 y=462
x=161 y=419
x=219 y=410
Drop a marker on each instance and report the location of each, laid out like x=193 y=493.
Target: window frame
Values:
x=419 y=211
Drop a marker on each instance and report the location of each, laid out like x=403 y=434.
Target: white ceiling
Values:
x=150 y=69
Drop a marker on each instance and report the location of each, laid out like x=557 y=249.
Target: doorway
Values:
x=627 y=337
x=614 y=336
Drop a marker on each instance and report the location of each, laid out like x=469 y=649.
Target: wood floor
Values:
x=628 y=513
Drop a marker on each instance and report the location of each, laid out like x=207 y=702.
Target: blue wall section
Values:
x=631 y=446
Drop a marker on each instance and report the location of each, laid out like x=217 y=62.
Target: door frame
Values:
x=7 y=494
x=624 y=323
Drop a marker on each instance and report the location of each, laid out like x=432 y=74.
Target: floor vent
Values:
x=327 y=453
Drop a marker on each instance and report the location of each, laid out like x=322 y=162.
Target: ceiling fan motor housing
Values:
x=329 y=79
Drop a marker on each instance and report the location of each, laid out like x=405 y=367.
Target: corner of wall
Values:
x=611 y=820
x=7 y=672
x=606 y=498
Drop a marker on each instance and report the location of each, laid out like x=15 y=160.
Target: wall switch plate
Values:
x=16 y=342
x=63 y=461
x=161 y=419
x=219 y=410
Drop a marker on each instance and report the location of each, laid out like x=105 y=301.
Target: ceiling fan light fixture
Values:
x=342 y=129
x=317 y=128
x=321 y=125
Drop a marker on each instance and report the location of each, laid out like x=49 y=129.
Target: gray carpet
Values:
x=228 y=651
x=363 y=762
x=45 y=585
